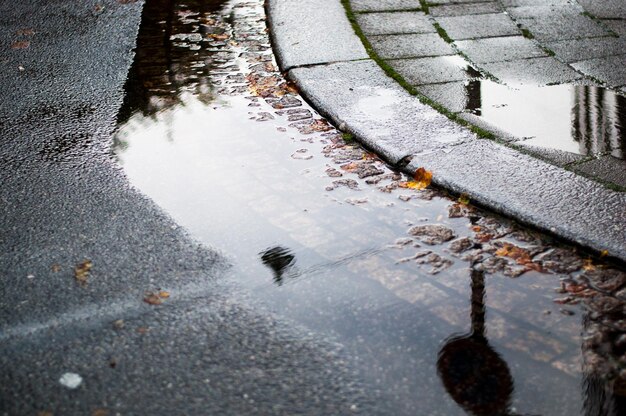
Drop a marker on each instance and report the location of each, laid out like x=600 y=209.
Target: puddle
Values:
x=331 y=238
x=585 y=120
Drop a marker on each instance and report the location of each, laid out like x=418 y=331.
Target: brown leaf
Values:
x=20 y=44
x=152 y=298
x=25 y=32
x=81 y=272
x=423 y=178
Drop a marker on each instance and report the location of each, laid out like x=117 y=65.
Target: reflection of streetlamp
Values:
x=473 y=373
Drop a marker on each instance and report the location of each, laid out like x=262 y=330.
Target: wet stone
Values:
x=437 y=262
x=383 y=5
x=609 y=280
x=607 y=305
x=559 y=260
x=348 y=183
x=432 y=233
x=394 y=23
x=460 y=245
x=478 y=26
x=460 y=210
x=394 y=176
x=333 y=173
x=410 y=46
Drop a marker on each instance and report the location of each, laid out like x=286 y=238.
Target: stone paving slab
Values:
x=452 y=95
x=462 y=9
x=499 y=49
x=360 y=98
x=384 y=5
x=533 y=191
x=617 y=26
x=534 y=71
x=611 y=69
x=433 y=70
x=557 y=23
x=606 y=167
x=611 y=9
x=479 y=26
x=582 y=49
x=296 y=44
x=394 y=23
x=410 y=46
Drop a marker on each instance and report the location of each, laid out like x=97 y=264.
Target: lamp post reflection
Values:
x=473 y=373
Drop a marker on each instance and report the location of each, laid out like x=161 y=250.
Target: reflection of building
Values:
x=586 y=120
x=599 y=120
x=173 y=55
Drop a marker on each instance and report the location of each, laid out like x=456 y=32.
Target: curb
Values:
x=350 y=89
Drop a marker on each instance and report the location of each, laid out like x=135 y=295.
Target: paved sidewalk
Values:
x=474 y=62
x=522 y=44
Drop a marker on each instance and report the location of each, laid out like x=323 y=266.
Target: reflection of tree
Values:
x=599 y=120
x=473 y=373
x=604 y=342
x=173 y=55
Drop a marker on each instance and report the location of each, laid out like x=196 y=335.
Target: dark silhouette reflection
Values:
x=280 y=260
x=176 y=48
x=472 y=372
x=599 y=121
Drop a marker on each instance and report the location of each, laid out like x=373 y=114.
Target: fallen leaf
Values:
x=56 y=268
x=604 y=253
x=216 y=36
x=423 y=178
x=164 y=294
x=464 y=199
x=81 y=272
x=152 y=298
x=588 y=265
x=20 y=44
x=25 y=32
x=520 y=255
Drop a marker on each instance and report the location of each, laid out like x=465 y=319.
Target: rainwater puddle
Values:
x=329 y=237
x=581 y=119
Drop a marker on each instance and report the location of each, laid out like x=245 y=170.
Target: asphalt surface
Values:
x=206 y=349
x=363 y=100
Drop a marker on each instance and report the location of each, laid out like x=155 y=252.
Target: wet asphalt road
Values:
x=63 y=200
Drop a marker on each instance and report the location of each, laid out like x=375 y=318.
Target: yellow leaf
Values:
x=81 y=272
x=464 y=199
x=164 y=294
x=588 y=265
x=422 y=178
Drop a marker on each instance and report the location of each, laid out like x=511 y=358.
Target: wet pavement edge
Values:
x=532 y=191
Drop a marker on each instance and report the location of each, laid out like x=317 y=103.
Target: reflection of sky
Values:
x=543 y=113
x=576 y=119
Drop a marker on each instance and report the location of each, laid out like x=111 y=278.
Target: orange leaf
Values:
x=422 y=178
